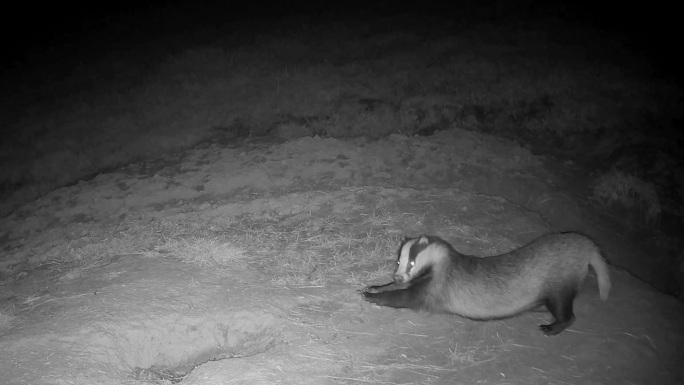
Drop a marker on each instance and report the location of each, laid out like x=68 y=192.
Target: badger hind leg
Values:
x=559 y=303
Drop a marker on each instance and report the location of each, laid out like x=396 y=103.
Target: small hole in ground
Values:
x=165 y=350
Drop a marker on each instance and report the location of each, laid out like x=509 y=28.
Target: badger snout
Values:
x=398 y=278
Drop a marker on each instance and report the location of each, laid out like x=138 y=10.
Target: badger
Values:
x=547 y=272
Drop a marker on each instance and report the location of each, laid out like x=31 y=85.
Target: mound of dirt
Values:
x=122 y=278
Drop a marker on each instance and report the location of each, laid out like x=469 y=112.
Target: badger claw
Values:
x=370 y=290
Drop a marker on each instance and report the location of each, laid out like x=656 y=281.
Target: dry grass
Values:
x=316 y=251
x=462 y=354
x=202 y=251
x=425 y=367
x=194 y=243
x=6 y=321
x=632 y=193
x=310 y=252
x=298 y=252
x=365 y=372
x=485 y=241
x=129 y=238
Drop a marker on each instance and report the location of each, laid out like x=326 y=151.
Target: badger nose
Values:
x=398 y=278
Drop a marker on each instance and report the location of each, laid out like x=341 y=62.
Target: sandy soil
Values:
x=86 y=300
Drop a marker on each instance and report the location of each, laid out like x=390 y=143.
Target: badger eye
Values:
x=413 y=263
x=398 y=263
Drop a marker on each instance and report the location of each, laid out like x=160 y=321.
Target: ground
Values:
x=243 y=265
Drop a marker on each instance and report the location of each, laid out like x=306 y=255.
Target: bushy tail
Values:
x=601 y=269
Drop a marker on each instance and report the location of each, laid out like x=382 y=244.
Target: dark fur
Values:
x=547 y=272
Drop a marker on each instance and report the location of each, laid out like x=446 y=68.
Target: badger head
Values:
x=414 y=258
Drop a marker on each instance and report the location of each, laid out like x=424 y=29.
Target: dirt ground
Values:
x=93 y=293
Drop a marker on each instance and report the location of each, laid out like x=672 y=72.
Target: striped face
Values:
x=408 y=267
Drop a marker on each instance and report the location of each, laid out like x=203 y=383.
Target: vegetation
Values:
x=534 y=79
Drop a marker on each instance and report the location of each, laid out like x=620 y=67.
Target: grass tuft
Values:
x=6 y=321
x=202 y=251
x=316 y=251
x=632 y=193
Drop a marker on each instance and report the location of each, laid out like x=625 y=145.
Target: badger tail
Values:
x=601 y=269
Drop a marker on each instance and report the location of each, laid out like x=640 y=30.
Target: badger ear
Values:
x=423 y=240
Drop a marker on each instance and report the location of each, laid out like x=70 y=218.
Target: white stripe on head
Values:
x=407 y=258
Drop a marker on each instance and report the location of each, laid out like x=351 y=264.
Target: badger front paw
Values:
x=371 y=290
